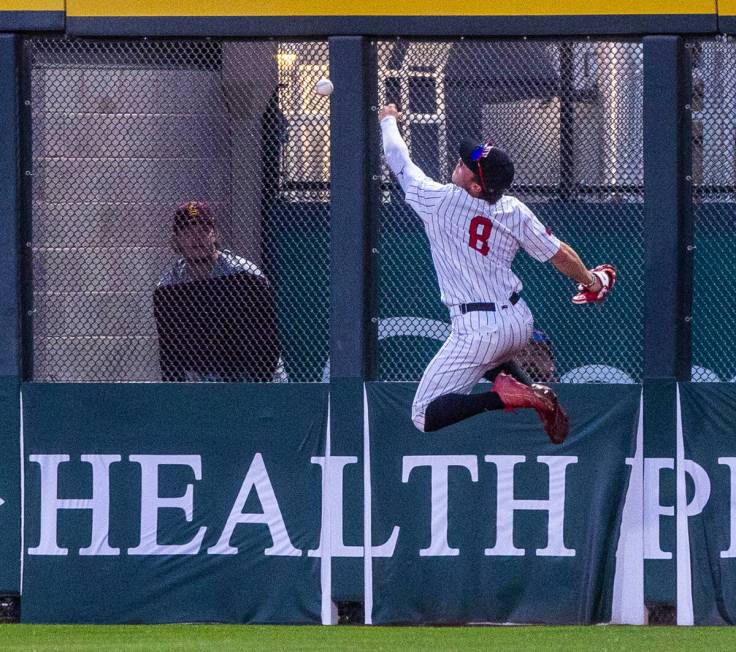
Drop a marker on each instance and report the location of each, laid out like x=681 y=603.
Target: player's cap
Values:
x=492 y=164
x=193 y=212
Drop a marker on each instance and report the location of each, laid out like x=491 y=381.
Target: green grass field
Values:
x=233 y=637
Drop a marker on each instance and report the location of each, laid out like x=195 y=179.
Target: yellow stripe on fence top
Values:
x=727 y=7
x=129 y=8
x=32 y=5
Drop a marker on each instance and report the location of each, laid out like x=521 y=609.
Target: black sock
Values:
x=512 y=368
x=451 y=408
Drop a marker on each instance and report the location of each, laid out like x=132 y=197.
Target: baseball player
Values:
x=474 y=232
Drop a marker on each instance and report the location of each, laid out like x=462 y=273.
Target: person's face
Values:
x=463 y=177
x=195 y=242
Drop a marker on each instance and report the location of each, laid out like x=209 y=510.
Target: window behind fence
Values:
x=180 y=210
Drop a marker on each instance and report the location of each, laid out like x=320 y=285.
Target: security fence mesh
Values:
x=714 y=197
x=570 y=113
x=180 y=210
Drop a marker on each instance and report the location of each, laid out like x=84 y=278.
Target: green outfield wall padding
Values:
x=473 y=544
x=202 y=503
x=10 y=497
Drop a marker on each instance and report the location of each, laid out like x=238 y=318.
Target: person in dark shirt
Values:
x=215 y=311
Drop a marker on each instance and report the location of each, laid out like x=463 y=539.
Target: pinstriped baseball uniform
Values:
x=473 y=244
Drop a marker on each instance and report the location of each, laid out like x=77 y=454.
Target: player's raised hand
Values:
x=389 y=110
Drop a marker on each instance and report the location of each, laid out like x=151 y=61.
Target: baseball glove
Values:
x=607 y=275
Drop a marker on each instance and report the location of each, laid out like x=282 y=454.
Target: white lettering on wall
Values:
x=151 y=502
x=335 y=472
x=554 y=505
x=439 y=465
x=257 y=478
x=98 y=504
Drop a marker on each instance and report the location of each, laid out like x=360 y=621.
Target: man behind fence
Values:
x=215 y=311
x=474 y=232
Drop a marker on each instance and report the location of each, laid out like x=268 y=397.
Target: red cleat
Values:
x=540 y=397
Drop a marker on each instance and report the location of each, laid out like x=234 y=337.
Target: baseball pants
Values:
x=478 y=342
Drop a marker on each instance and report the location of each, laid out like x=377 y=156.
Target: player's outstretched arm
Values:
x=395 y=149
x=567 y=262
x=594 y=285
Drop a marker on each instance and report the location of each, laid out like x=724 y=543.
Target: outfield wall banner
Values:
x=487 y=521
x=707 y=504
x=10 y=498
x=173 y=503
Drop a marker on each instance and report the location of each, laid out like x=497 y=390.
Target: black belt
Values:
x=491 y=307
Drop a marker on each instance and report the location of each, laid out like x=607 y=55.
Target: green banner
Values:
x=10 y=503
x=173 y=503
x=707 y=504
x=486 y=521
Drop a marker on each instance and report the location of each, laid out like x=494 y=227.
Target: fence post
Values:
x=9 y=209
x=351 y=121
x=668 y=271
x=668 y=215
x=353 y=129
x=10 y=297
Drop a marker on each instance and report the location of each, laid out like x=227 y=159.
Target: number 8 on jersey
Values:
x=480 y=231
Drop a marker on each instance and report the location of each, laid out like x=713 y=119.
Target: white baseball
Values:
x=324 y=87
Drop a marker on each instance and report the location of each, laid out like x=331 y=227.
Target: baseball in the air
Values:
x=324 y=87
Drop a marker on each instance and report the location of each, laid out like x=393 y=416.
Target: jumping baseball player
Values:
x=474 y=232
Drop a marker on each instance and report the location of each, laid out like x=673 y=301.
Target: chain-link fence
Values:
x=714 y=197
x=124 y=133
x=571 y=115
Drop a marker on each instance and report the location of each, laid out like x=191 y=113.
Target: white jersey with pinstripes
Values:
x=473 y=242
x=473 y=245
